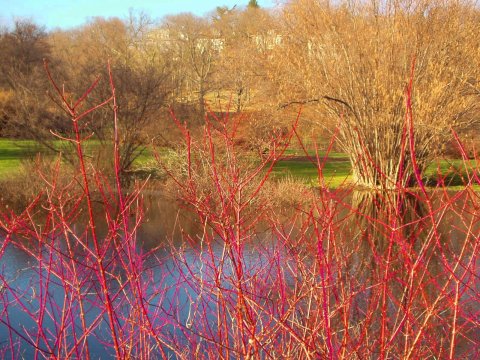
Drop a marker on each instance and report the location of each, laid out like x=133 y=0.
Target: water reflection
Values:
x=364 y=273
x=415 y=255
x=165 y=218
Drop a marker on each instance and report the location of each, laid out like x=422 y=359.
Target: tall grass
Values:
x=342 y=275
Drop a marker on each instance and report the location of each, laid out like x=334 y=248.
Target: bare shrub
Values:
x=355 y=60
x=21 y=186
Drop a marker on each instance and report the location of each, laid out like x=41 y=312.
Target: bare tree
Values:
x=246 y=34
x=354 y=60
x=196 y=47
x=141 y=70
x=23 y=109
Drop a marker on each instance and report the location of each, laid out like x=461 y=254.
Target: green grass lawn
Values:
x=12 y=152
x=336 y=172
x=321 y=154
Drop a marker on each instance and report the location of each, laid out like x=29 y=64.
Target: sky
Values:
x=66 y=14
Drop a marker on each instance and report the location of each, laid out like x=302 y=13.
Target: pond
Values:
x=344 y=275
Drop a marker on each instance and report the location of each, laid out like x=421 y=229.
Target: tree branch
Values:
x=325 y=97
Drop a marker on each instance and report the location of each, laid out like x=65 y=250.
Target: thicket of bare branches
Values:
x=24 y=109
x=355 y=60
x=141 y=69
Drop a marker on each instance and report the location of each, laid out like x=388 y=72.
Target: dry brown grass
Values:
x=286 y=194
x=20 y=187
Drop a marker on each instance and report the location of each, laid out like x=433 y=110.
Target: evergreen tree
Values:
x=253 y=4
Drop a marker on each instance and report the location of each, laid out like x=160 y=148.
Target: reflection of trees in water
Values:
x=358 y=276
x=377 y=215
x=376 y=270
x=380 y=232
x=401 y=265
x=377 y=220
x=165 y=220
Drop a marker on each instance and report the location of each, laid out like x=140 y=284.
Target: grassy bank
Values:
x=336 y=170
x=12 y=152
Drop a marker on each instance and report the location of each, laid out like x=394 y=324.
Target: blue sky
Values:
x=70 y=13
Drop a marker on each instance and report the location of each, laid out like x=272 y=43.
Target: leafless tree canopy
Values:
x=355 y=59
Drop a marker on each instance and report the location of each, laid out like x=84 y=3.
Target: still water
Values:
x=182 y=258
